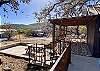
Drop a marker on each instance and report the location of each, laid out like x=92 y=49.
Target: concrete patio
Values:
x=82 y=63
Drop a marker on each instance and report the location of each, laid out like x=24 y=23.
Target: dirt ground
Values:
x=12 y=63
x=19 y=64
x=16 y=64
x=23 y=39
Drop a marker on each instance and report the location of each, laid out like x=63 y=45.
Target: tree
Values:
x=10 y=29
x=65 y=8
x=26 y=31
x=83 y=29
x=4 y=2
x=13 y=4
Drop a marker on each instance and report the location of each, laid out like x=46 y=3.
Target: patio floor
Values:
x=83 y=63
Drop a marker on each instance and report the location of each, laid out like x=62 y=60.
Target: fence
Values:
x=46 y=55
x=63 y=61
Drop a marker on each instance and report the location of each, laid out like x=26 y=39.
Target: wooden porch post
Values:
x=53 y=38
x=77 y=31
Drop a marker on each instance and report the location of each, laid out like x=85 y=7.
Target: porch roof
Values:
x=84 y=20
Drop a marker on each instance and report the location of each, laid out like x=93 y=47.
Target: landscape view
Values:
x=49 y=35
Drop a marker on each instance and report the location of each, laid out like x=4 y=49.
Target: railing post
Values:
x=70 y=52
x=60 y=47
x=0 y=62
x=53 y=34
x=44 y=54
x=29 y=52
x=36 y=47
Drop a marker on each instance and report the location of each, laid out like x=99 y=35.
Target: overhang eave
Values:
x=73 y=21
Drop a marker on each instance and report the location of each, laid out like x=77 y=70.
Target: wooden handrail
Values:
x=63 y=61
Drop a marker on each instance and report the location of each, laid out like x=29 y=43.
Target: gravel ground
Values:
x=16 y=64
x=13 y=63
x=34 y=40
x=80 y=49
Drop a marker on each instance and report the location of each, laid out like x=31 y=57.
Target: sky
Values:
x=0 y=20
x=23 y=18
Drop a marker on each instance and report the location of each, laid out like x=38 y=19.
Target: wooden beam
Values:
x=72 y=21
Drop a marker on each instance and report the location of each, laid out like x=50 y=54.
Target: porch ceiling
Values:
x=84 y=20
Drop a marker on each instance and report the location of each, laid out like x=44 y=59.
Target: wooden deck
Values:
x=83 y=63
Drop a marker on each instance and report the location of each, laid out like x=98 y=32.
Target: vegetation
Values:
x=26 y=31
x=59 y=9
x=10 y=30
x=83 y=29
x=66 y=9
x=13 y=4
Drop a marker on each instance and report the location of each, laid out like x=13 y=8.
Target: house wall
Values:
x=96 y=50
x=94 y=36
x=90 y=34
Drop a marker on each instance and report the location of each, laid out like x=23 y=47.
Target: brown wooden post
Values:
x=44 y=54
x=87 y=33
x=64 y=38
x=60 y=38
x=60 y=47
x=87 y=38
x=53 y=38
x=29 y=52
x=66 y=30
x=0 y=62
x=36 y=51
x=77 y=31
x=39 y=54
x=70 y=52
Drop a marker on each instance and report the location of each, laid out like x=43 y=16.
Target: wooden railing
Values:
x=63 y=61
x=59 y=60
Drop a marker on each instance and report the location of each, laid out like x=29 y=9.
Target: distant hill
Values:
x=35 y=26
x=7 y=26
x=40 y=26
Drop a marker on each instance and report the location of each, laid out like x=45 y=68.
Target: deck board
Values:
x=83 y=63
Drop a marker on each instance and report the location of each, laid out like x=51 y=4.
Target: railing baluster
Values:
x=29 y=52
x=44 y=55
x=60 y=47
x=63 y=61
x=36 y=51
